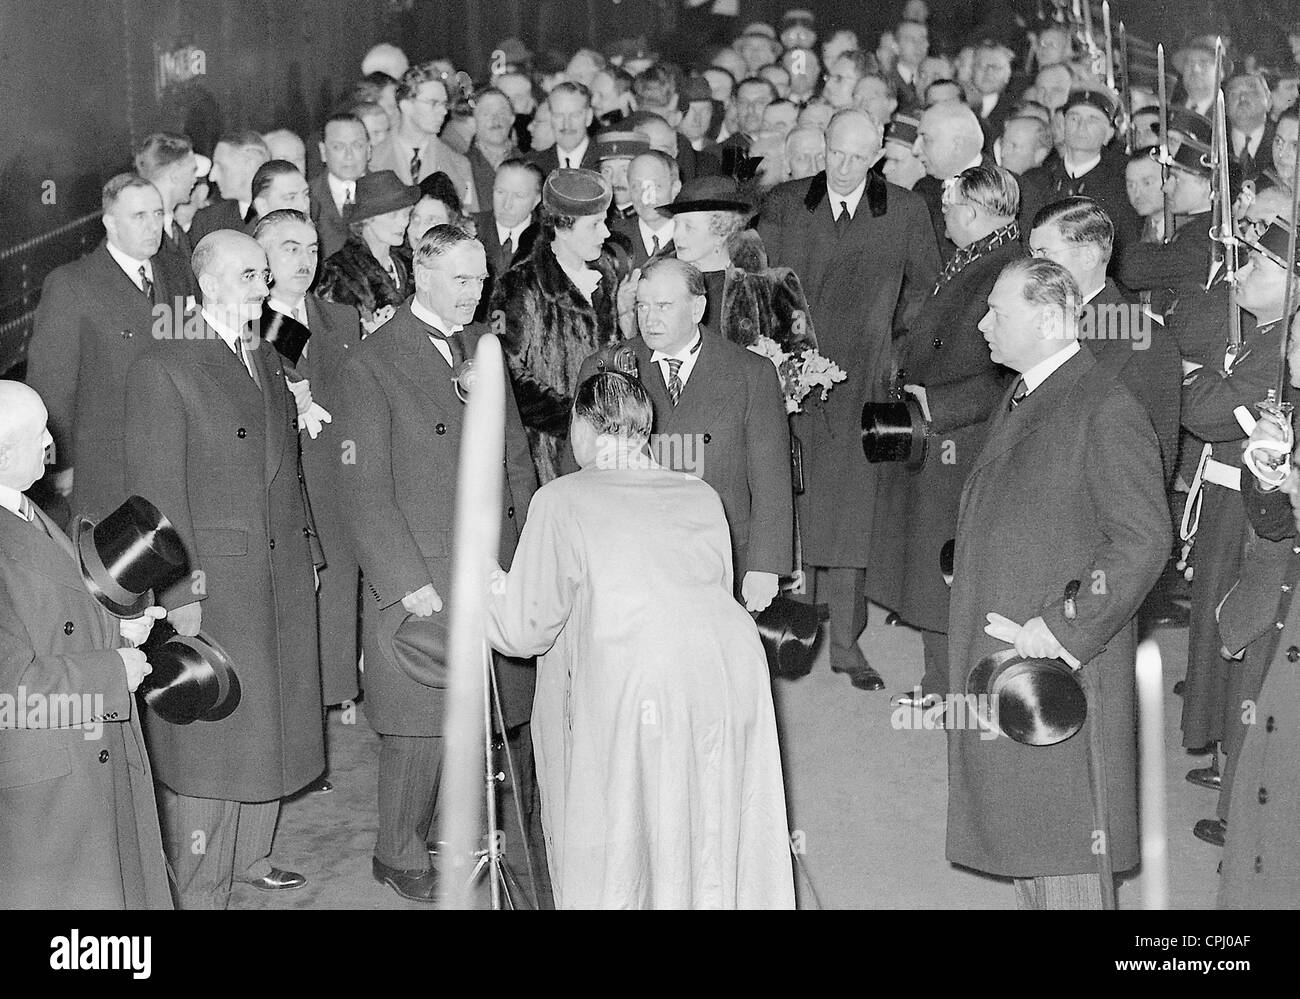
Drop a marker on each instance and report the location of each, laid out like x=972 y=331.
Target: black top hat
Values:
x=419 y=648
x=192 y=679
x=708 y=194
x=789 y=630
x=381 y=192
x=1036 y=702
x=1274 y=244
x=127 y=555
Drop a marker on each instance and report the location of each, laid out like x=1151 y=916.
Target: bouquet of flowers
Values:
x=800 y=372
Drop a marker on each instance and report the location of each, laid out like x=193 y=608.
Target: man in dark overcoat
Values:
x=212 y=441
x=945 y=361
x=862 y=249
x=1067 y=487
x=96 y=316
x=399 y=411
x=78 y=823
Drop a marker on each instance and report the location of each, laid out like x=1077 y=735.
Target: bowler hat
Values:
x=708 y=194
x=381 y=192
x=514 y=51
x=128 y=554
x=789 y=630
x=1036 y=702
x=576 y=193
x=192 y=677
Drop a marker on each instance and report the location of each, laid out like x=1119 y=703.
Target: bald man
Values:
x=863 y=252
x=78 y=823
x=948 y=141
x=212 y=440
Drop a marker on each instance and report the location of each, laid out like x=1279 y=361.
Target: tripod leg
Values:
x=514 y=786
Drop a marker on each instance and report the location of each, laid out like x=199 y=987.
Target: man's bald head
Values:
x=233 y=273
x=23 y=437
x=949 y=139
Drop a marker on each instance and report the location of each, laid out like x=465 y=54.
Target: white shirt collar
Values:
x=227 y=333
x=1077 y=170
x=339 y=190
x=586 y=279
x=514 y=234
x=1099 y=289
x=688 y=355
x=130 y=265
x=243 y=209
x=432 y=318
x=11 y=500
x=1045 y=368
x=285 y=309
x=664 y=232
x=851 y=199
x=987 y=103
x=906 y=73
x=575 y=155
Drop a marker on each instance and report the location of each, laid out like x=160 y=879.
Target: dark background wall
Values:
x=80 y=81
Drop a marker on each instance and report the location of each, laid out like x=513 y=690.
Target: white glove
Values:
x=313 y=419
x=301 y=394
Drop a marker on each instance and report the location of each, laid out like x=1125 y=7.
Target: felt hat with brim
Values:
x=708 y=194
x=418 y=646
x=381 y=192
x=619 y=146
x=695 y=88
x=1274 y=244
x=1036 y=702
x=127 y=555
x=576 y=193
x=191 y=679
x=792 y=17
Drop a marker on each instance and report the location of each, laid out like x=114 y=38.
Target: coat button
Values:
x=103 y=756
x=440 y=429
x=510 y=511
x=68 y=627
x=273 y=544
x=1263 y=796
x=707 y=438
x=938 y=343
x=1286 y=588
x=126 y=334
x=1268 y=725
x=241 y=433
x=1279 y=625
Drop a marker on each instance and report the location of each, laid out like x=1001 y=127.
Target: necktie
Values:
x=674 y=382
x=247 y=358
x=453 y=344
x=654 y=249
x=842 y=222
x=508 y=250
x=145 y=284
x=1018 y=394
x=415 y=166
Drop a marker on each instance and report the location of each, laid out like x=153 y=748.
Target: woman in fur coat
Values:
x=557 y=306
x=369 y=273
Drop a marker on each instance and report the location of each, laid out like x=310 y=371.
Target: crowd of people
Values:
x=1007 y=236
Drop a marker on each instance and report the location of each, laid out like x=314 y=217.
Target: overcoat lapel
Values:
x=424 y=364
x=270 y=371
x=51 y=557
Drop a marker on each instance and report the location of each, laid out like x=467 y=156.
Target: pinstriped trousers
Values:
x=211 y=843
x=1064 y=891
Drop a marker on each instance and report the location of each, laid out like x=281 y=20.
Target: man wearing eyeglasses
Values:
x=413 y=150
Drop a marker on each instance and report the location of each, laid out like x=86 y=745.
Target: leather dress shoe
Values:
x=915 y=699
x=1206 y=777
x=278 y=880
x=1170 y=614
x=1211 y=831
x=892 y=619
x=866 y=678
x=419 y=885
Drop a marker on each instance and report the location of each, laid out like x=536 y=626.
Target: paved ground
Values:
x=867 y=804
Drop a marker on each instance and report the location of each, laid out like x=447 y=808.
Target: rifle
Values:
x=1164 y=142
x=1223 y=235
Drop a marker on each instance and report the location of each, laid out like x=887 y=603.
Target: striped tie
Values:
x=146 y=285
x=415 y=167
x=674 y=382
x=1018 y=394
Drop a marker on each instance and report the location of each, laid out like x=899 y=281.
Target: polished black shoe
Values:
x=866 y=678
x=892 y=619
x=321 y=785
x=1211 y=831
x=1171 y=614
x=1206 y=777
x=418 y=886
x=278 y=880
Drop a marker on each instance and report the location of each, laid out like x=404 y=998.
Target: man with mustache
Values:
x=571 y=116
x=211 y=440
